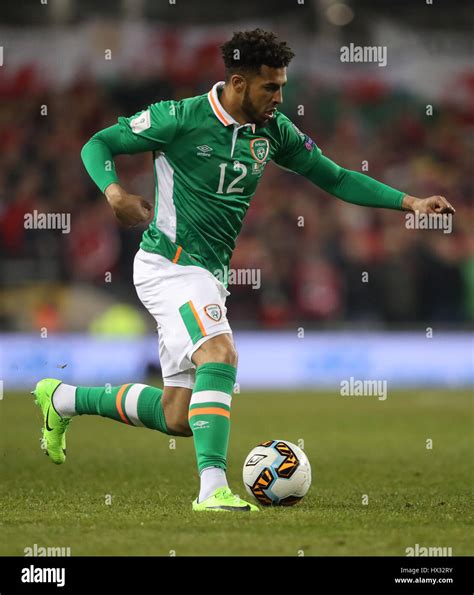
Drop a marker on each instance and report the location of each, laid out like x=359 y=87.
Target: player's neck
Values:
x=231 y=107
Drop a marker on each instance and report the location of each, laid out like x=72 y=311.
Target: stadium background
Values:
x=68 y=308
x=310 y=275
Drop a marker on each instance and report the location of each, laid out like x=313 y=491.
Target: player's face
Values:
x=263 y=94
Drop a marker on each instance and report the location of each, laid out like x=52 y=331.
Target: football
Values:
x=277 y=473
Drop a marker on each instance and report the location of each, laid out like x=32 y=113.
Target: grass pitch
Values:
x=127 y=491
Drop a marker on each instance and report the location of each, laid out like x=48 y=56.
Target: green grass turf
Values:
x=357 y=446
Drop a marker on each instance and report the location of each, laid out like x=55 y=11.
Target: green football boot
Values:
x=54 y=429
x=224 y=500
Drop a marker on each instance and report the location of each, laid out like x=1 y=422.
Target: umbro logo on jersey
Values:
x=204 y=150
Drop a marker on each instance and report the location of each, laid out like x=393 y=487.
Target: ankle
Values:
x=212 y=478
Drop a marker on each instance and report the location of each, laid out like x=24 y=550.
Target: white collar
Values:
x=224 y=117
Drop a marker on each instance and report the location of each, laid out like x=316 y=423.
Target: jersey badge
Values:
x=260 y=147
x=213 y=311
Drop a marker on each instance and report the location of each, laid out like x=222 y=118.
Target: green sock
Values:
x=133 y=404
x=209 y=413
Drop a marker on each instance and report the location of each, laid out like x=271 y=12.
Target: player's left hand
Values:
x=432 y=204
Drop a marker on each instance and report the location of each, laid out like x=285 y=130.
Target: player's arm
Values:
x=149 y=130
x=98 y=158
x=301 y=155
x=360 y=189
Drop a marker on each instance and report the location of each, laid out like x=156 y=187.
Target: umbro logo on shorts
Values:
x=213 y=311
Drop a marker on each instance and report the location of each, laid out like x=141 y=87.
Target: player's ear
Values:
x=238 y=83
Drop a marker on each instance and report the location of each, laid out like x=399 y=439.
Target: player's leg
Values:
x=209 y=410
x=134 y=404
x=209 y=415
x=209 y=418
x=188 y=304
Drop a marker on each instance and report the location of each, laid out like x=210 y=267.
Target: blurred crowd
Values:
x=322 y=261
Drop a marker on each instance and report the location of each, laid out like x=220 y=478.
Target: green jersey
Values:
x=207 y=167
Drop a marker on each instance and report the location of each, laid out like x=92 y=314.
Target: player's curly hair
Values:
x=255 y=48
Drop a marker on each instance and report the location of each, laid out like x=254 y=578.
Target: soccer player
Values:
x=209 y=153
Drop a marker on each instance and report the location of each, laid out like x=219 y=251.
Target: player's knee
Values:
x=226 y=355
x=219 y=349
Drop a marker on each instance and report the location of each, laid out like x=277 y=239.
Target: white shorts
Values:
x=188 y=304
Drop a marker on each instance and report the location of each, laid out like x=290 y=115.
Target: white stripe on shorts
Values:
x=208 y=396
x=131 y=403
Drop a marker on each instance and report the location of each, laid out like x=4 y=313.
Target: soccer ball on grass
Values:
x=277 y=472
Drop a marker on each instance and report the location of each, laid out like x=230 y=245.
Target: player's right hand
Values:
x=130 y=209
